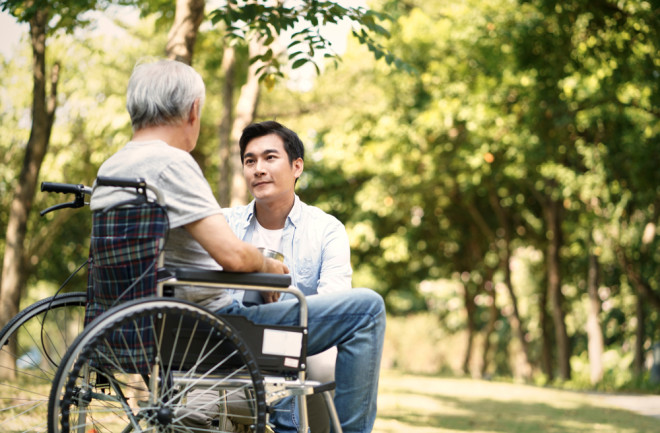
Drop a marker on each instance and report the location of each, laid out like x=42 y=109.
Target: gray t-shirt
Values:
x=188 y=197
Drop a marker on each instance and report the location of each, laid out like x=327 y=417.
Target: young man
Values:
x=314 y=244
x=164 y=100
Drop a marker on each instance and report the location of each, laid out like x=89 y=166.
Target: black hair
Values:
x=292 y=144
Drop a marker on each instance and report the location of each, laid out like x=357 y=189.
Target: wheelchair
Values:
x=147 y=361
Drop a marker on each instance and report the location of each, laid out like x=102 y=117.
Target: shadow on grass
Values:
x=429 y=409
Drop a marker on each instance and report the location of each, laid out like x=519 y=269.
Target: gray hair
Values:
x=162 y=93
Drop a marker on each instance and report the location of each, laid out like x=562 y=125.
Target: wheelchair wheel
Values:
x=157 y=365
x=31 y=347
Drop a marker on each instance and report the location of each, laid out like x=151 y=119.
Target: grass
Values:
x=424 y=404
x=409 y=403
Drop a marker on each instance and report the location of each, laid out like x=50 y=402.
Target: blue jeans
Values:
x=354 y=321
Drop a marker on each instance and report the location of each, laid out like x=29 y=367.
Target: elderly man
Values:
x=164 y=101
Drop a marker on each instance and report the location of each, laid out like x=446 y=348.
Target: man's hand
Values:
x=270 y=297
x=272 y=266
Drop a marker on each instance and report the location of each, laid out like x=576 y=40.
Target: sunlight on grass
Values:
x=430 y=404
x=28 y=395
x=424 y=404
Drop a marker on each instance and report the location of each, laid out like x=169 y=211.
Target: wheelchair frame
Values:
x=73 y=386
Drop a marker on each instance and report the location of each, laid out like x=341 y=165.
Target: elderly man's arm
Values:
x=215 y=236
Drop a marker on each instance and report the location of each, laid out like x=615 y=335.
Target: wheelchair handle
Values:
x=79 y=190
x=65 y=188
x=124 y=182
x=138 y=183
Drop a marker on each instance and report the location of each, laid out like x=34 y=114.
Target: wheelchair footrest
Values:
x=278 y=388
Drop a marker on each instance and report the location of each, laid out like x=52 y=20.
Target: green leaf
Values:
x=298 y=63
x=293 y=44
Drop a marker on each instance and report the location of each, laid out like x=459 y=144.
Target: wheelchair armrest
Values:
x=238 y=278
x=260 y=281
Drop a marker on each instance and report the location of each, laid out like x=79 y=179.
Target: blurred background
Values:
x=496 y=164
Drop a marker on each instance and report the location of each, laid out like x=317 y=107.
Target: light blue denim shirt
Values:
x=315 y=246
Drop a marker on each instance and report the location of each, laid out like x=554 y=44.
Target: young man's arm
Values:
x=336 y=271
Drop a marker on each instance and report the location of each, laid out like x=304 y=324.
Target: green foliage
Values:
x=244 y=20
x=515 y=104
x=616 y=364
x=66 y=15
x=162 y=10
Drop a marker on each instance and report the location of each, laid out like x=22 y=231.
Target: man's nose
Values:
x=259 y=167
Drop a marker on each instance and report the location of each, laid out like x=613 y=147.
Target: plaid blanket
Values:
x=124 y=251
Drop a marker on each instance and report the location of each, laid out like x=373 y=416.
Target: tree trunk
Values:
x=493 y=315
x=640 y=335
x=470 y=309
x=181 y=44
x=183 y=34
x=553 y=221
x=594 y=330
x=514 y=319
x=640 y=284
x=224 y=130
x=546 y=337
x=246 y=109
x=43 y=114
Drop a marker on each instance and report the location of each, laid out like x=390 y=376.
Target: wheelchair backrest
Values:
x=124 y=250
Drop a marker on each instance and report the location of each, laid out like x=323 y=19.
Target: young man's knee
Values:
x=371 y=300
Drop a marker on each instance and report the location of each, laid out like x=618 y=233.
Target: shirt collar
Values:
x=296 y=211
x=249 y=213
x=294 y=216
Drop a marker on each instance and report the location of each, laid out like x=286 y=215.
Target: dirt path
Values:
x=648 y=405
x=428 y=404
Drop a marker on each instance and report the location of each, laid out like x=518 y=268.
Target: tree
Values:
x=183 y=34
x=261 y=24
x=541 y=119
x=585 y=60
x=43 y=112
x=44 y=18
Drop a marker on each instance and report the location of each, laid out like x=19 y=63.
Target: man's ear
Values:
x=194 y=113
x=298 y=166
